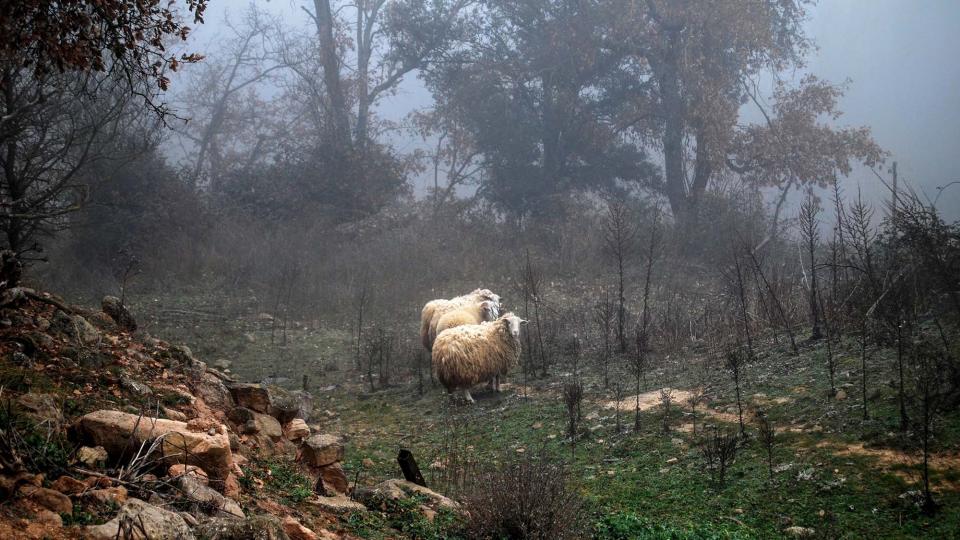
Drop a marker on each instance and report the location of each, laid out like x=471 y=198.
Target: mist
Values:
x=460 y=269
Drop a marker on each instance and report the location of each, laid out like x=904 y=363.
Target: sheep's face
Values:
x=513 y=324
x=489 y=310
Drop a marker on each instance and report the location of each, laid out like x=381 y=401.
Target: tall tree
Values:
x=527 y=80
x=69 y=73
x=698 y=63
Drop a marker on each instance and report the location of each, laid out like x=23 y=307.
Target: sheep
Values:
x=435 y=309
x=472 y=314
x=467 y=355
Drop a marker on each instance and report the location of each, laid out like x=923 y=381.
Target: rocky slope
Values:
x=110 y=433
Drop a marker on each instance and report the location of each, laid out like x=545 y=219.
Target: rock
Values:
x=799 y=532
x=92 y=360
x=97 y=482
x=173 y=414
x=273 y=507
x=84 y=331
x=672 y=460
x=207 y=498
x=296 y=430
x=234 y=441
x=191 y=519
x=42 y=409
x=43 y=340
x=368 y=463
x=48 y=498
x=334 y=478
x=252 y=396
x=43 y=323
x=268 y=426
x=117 y=431
x=840 y=395
x=395 y=489
x=49 y=518
x=213 y=392
x=285 y=405
x=241 y=416
x=296 y=531
x=117 y=495
x=135 y=387
x=337 y=504
x=321 y=449
x=209 y=425
x=231 y=487
x=93 y=458
x=181 y=355
x=112 y=306
x=152 y=523
x=179 y=469
x=222 y=364
x=258 y=527
x=68 y=485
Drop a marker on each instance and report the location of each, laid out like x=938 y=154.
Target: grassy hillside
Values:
x=835 y=475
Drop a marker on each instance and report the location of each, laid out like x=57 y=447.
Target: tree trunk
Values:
x=340 y=124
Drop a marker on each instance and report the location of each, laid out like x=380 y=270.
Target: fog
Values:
x=570 y=268
x=896 y=58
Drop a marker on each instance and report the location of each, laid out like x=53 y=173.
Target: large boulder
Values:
x=258 y=527
x=286 y=405
x=333 y=478
x=396 y=489
x=112 y=306
x=139 y=520
x=122 y=433
x=296 y=430
x=321 y=450
x=336 y=504
x=75 y=327
x=252 y=396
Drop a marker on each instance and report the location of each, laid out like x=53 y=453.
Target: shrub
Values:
x=527 y=497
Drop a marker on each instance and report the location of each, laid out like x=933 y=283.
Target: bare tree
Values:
x=666 y=400
x=767 y=432
x=735 y=358
x=604 y=313
x=530 y=284
x=775 y=298
x=214 y=102
x=55 y=129
x=810 y=231
x=618 y=238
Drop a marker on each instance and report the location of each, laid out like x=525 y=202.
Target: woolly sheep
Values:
x=467 y=355
x=435 y=309
x=473 y=314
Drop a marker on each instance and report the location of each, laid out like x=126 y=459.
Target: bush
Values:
x=527 y=497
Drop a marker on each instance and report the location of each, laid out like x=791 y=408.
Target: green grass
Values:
x=281 y=479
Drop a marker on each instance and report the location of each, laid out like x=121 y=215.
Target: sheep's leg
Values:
x=492 y=384
x=496 y=383
x=466 y=395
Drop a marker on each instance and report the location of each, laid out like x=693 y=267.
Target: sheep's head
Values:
x=487 y=294
x=489 y=311
x=513 y=323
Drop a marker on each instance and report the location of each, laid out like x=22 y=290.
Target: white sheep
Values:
x=472 y=314
x=435 y=309
x=468 y=355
